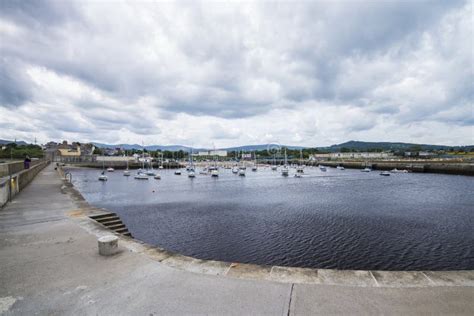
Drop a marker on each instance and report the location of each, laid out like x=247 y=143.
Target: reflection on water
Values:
x=342 y=219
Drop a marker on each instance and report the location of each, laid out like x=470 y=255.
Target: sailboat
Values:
x=141 y=175
x=254 y=167
x=366 y=169
x=161 y=161
x=284 y=170
x=191 y=172
x=102 y=176
x=126 y=172
x=214 y=169
x=235 y=169
x=300 y=168
x=150 y=171
x=274 y=166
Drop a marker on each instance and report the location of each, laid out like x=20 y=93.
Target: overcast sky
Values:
x=224 y=74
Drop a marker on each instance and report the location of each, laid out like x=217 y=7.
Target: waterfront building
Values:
x=354 y=155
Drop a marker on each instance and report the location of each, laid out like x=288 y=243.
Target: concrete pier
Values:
x=50 y=265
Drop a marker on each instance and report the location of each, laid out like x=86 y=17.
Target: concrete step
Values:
x=107 y=219
x=100 y=216
x=115 y=227
x=128 y=234
x=122 y=230
x=111 y=222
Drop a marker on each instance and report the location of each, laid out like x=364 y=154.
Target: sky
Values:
x=231 y=73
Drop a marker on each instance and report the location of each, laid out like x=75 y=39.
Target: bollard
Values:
x=108 y=245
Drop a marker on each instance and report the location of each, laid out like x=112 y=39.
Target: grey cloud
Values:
x=224 y=61
x=15 y=86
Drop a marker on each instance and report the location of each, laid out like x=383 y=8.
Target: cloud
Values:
x=310 y=73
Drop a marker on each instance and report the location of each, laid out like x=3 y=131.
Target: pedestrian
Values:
x=26 y=162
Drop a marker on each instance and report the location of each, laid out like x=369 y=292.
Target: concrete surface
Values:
x=50 y=266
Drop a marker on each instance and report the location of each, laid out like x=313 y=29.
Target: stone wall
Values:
x=18 y=181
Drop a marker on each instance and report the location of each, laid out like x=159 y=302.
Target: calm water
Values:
x=335 y=219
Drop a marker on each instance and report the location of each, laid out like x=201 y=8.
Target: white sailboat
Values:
x=254 y=167
x=300 y=168
x=150 y=171
x=274 y=166
x=215 y=169
x=126 y=172
x=285 y=170
x=235 y=169
x=102 y=176
x=191 y=172
x=140 y=174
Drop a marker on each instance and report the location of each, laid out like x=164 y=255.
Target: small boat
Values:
x=214 y=173
x=340 y=167
x=177 y=172
x=274 y=168
x=204 y=171
x=254 y=167
x=103 y=177
x=110 y=169
x=141 y=176
x=366 y=169
x=398 y=171
x=242 y=172
x=322 y=168
x=298 y=175
x=190 y=167
x=385 y=173
x=157 y=176
x=235 y=170
x=284 y=170
x=300 y=167
x=126 y=172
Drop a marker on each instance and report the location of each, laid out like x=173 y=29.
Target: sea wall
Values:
x=123 y=165
x=9 y=187
x=458 y=168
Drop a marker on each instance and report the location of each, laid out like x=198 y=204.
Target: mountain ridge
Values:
x=349 y=145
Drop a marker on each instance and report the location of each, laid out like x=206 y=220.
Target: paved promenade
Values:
x=50 y=266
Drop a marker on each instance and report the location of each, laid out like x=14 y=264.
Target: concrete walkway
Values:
x=50 y=266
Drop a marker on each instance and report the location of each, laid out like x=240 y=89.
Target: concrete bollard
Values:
x=108 y=245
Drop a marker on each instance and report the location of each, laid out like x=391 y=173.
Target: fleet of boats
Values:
x=146 y=171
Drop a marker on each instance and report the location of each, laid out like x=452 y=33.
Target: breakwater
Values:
x=414 y=166
x=121 y=165
x=426 y=166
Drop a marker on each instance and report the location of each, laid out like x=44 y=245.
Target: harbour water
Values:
x=341 y=219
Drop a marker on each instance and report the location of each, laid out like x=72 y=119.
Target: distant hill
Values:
x=186 y=148
x=4 y=142
x=350 y=145
x=151 y=147
x=363 y=146
x=260 y=147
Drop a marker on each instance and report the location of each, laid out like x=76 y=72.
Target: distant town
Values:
x=90 y=152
